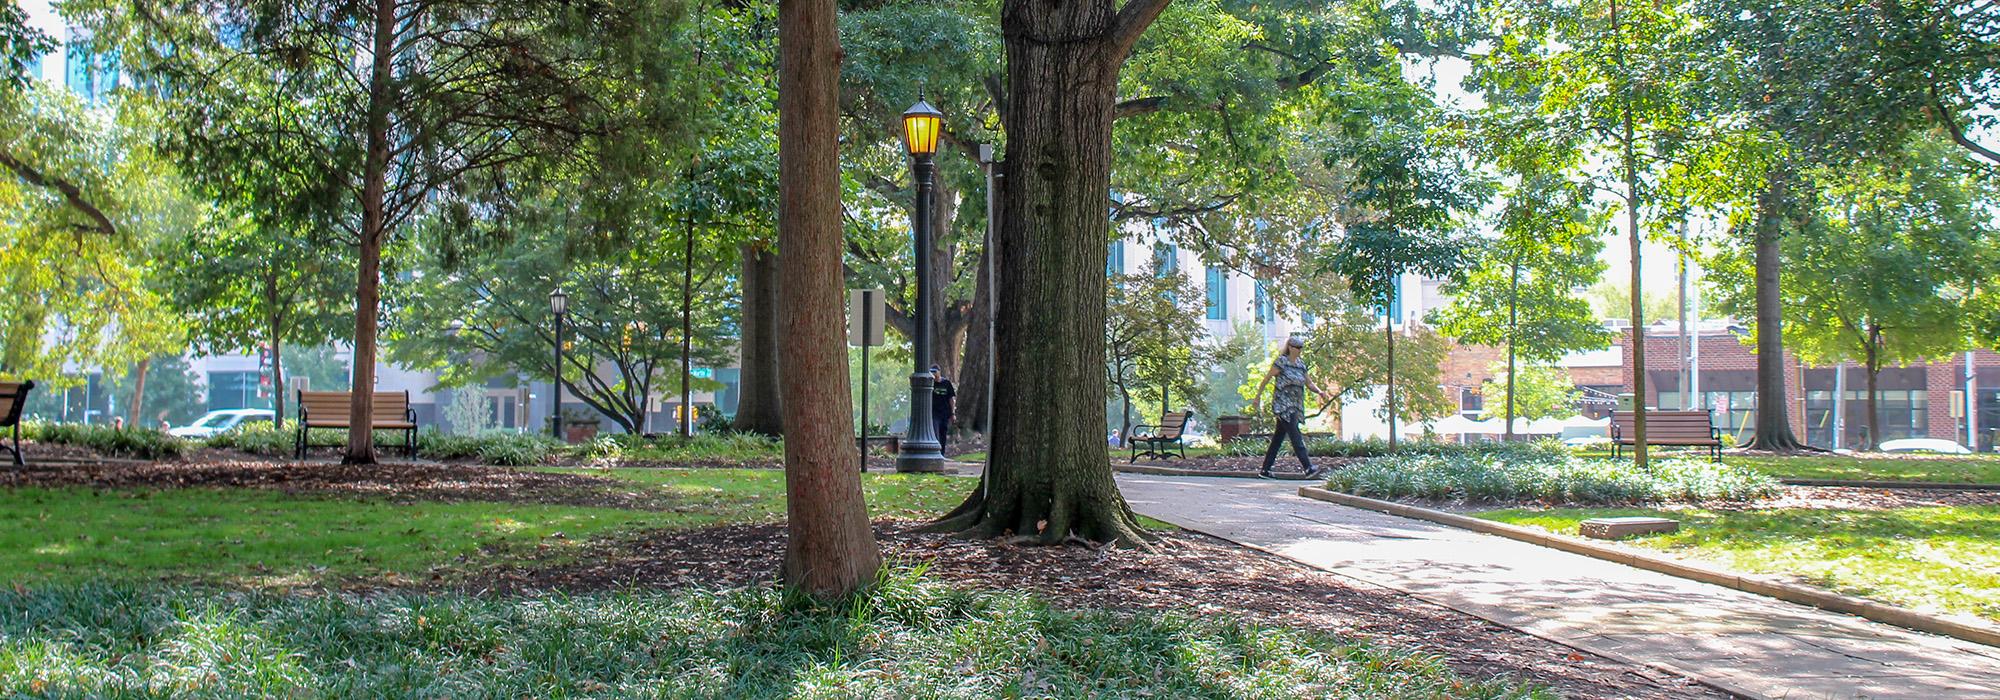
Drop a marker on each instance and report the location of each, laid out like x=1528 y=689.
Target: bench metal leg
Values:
x=16 y=449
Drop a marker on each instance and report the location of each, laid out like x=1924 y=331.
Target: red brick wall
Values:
x=1719 y=351
x=1947 y=375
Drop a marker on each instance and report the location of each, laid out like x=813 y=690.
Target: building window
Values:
x=1166 y=259
x=1218 y=294
x=1114 y=260
x=1395 y=309
x=1470 y=403
x=228 y=390
x=1267 y=313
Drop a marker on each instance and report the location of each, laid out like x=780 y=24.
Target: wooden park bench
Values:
x=333 y=409
x=1669 y=428
x=1157 y=440
x=13 y=398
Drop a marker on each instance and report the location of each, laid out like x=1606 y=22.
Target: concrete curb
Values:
x=1761 y=585
x=1891 y=484
x=1171 y=471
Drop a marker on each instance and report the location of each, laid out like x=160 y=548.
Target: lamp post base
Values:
x=916 y=458
x=920 y=451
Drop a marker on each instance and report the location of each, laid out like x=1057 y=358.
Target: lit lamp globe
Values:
x=921 y=124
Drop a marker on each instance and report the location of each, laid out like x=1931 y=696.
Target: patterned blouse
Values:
x=1289 y=403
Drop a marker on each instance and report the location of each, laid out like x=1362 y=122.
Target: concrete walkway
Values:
x=1743 y=643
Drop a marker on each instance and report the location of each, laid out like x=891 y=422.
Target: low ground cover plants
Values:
x=514 y=449
x=133 y=443
x=906 y=637
x=1547 y=473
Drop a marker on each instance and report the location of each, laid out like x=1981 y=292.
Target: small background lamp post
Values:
x=558 y=305
x=920 y=450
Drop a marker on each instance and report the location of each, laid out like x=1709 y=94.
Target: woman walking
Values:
x=1288 y=404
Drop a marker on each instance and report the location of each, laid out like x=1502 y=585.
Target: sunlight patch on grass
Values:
x=1962 y=469
x=1937 y=559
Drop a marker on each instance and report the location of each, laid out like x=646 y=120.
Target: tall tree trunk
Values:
x=758 y=402
x=1874 y=395
x=974 y=365
x=1049 y=475
x=1631 y=168
x=1513 y=320
x=1774 y=426
x=1389 y=335
x=273 y=324
x=830 y=550
x=368 y=277
x=687 y=333
x=139 y=392
x=1125 y=404
x=277 y=384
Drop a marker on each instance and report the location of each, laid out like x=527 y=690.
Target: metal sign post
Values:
x=864 y=330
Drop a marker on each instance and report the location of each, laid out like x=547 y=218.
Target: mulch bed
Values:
x=1190 y=572
x=395 y=481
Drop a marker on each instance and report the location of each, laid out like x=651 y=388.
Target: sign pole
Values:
x=864 y=330
x=865 y=352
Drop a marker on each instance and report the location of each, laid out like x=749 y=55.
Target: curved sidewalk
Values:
x=1741 y=642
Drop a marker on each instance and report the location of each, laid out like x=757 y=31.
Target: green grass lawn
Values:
x=1944 y=559
x=259 y=537
x=1979 y=469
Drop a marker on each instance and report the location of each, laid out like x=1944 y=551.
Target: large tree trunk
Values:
x=139 y=392
x=758 y=401
x=974 y=365
x=277 y=353
x=1049 y=473
x=1513 y=324
x=1874 y=357
x=1774 y=426
x=277 y=384
x=830 y=550
x=686 y=426
x=368 y=278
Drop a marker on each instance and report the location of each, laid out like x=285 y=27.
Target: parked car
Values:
x=1587 y=442
x=1924 y=445
x=217 y=422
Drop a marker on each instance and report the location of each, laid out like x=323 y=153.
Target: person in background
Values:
x=1288 y=404
x=944 y=399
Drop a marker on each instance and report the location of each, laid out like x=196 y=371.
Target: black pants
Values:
x=1287 y=428
x=940 y=426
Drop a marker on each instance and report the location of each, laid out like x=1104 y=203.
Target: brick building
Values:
x=1924 y=400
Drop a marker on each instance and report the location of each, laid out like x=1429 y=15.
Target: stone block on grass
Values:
x=1619 y=528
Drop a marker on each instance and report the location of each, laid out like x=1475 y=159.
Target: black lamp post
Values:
x=558 y=305
x=920 y=451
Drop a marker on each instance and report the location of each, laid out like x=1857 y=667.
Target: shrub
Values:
x=718 y=447
x=1547 y=474
x=502 y=448
x=270 y=441
x=136 y=443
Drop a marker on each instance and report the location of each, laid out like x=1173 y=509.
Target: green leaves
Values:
x=91 y=209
